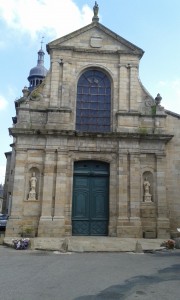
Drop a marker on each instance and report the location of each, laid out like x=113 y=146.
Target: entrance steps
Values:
x=92 y=244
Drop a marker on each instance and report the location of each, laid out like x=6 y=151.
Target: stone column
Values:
x=123 y=195
x=163 y=226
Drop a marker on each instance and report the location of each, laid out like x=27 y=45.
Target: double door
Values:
x=90 y=210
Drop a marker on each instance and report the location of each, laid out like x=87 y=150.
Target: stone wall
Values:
x=173 y=173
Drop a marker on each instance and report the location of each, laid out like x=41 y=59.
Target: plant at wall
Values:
x=27 y=232
x=143 y=130
x=153 y=110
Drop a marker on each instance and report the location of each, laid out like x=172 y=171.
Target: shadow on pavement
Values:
x=137 y=285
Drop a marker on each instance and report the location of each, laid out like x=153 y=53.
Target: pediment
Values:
x=95 y=36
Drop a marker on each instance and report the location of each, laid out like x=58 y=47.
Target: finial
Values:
x=42 y=41
x=158 y=99
x=25 y=91
x=96 y=10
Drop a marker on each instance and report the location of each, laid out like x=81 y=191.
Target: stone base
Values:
x=177 y=245
x=148 y=198
x=175 y=234
x=22 y=226
x=129 y=228
x=51 y=227
x=13 y=227
x=163 y=228
x=148 y=219
x=91 y=244
x=32 y=196
x=149 y=234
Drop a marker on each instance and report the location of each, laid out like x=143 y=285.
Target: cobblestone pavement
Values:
x=34 y=275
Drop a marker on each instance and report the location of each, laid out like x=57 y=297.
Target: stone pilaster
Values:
x=19 y=181
x=133 y=105
x=113 y=195
x=60 y=192
x=66 y=86
x=55 y=74
x=123 y=83
x=123 y=195
x=69 y=193
x=15 y=220
x=46 y=220
x=163 y=226
x=135 y=195
x=60 y=85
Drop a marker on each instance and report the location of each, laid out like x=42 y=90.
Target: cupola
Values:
x=38 y=73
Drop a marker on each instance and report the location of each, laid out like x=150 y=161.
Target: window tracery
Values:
x=93 y=111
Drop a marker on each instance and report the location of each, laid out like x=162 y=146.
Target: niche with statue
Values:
x=148 y=207
x=33 y=184
x=147 y=187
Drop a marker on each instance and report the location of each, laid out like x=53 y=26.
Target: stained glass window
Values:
x=93 y=109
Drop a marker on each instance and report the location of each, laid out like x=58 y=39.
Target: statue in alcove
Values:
x=147 y=195
x=33 y=184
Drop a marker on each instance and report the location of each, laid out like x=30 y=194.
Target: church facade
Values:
x=95 y=154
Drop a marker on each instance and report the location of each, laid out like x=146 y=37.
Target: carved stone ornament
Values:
x=149 y=102
x=37 y=93
x=96 y=42
x=35 y=96
x=25 y=92
x=158 y=99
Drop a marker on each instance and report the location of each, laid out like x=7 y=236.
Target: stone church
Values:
x=94 y=154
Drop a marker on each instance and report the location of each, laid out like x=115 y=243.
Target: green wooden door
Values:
x=90 y=211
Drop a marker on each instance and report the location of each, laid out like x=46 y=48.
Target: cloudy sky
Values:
x=153 y=25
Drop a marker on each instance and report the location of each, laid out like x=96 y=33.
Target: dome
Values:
x=39 y=70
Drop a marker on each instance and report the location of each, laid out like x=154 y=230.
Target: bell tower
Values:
x=38 y=73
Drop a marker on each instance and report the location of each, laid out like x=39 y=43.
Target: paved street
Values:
x=34 y=275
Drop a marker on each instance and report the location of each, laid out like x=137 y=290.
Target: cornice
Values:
x=71 y=133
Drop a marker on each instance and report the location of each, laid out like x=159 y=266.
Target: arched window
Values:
x=93 y=111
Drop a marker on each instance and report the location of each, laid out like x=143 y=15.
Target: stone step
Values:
x=92 y=244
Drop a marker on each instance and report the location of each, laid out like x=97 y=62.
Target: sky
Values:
x=153 y=25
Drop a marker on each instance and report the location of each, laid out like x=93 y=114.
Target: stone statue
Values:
x=96 y=10
x=147 y=195
x=33 y=183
